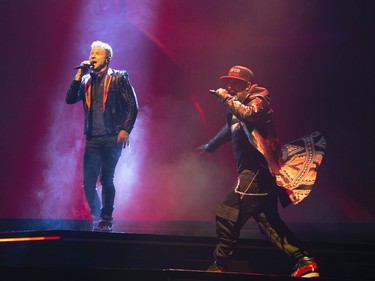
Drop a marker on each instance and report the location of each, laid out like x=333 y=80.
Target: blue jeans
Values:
x=100 y=159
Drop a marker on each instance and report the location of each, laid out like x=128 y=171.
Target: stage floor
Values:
x=86 y=255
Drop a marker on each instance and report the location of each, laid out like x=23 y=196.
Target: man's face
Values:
x=236 y=85
x=99 y=57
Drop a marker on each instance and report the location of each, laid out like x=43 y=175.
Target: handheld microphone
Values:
x=84 y=65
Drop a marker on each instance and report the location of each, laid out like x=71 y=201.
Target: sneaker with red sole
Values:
x=216 y=267
x=309 y=270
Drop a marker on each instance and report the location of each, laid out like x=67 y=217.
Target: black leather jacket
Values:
x=121 y=106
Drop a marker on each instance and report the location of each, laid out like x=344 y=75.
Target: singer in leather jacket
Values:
x=110 y=111
x=255 y=194
x=121 y=104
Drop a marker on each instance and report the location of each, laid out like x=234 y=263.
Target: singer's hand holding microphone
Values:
x=221 y=94
x=85 y=65
x=83 y=68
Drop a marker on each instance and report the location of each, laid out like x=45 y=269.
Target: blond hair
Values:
x=104 y=46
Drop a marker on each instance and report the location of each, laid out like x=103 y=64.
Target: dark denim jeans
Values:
x=100 y=159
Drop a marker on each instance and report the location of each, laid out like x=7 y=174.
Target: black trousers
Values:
x=254 y=195
x=100 y=159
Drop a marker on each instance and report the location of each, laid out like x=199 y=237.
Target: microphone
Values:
x=84 y=65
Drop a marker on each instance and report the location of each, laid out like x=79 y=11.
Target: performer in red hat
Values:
x=257 y=153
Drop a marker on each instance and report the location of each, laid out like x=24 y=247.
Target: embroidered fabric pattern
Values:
x=301 y=160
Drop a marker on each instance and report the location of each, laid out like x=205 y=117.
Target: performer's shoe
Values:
x=307 y=268
x=216 y=267
x=105 y=224
x=94 y=222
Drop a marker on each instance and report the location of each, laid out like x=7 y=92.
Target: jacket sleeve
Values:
x=128 y=93
x=256 y=107
x=222 y=137
x=74 y=94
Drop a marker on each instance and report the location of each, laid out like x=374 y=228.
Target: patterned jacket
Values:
x=255 y=115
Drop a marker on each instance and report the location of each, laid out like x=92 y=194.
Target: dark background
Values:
x=315 y=57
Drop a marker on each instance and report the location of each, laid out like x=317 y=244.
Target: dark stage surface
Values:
x=84 y=255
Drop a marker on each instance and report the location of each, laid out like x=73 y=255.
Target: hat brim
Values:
x=231 y=77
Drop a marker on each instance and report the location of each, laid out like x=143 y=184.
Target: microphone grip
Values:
x=84 y=66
